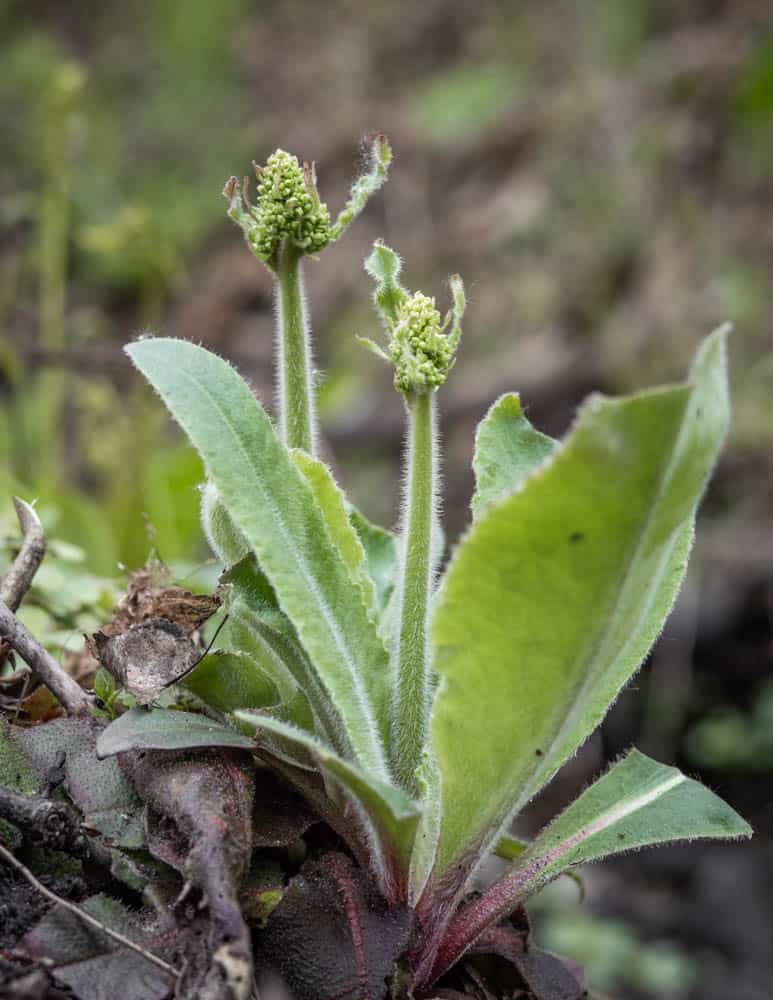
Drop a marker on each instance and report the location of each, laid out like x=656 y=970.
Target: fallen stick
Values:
x=74 y=699
x=18 y=579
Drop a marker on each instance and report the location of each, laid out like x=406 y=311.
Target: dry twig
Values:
x=18 y=579
x=48 y=823
x=72 y=696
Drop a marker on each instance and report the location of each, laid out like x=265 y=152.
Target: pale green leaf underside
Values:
x=163 y=729
x=273 y=506
x=330 y=500
x=507 y=450
x=380 y=548
x=637 y=803
x=393 y=814
x=556 y=594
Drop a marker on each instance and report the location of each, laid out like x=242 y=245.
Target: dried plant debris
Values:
x=150 y=597
x=92 y=964
x=146 y=658
x=151 y=641
x=198 y=819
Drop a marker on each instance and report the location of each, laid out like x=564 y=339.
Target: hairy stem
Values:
x=411 y=654
x=296 y=389
x=473 y=919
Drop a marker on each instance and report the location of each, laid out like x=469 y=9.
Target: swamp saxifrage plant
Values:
x=419 y=711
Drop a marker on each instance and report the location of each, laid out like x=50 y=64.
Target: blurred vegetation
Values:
x=106 y=193
x=615 y=958
x=597 y=184
x=731 y=739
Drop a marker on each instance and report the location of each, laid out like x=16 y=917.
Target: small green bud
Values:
x=419 y=348
x=288 y=207
x=421 y=353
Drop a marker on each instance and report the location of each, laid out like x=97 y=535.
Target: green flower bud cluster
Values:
x=419 y=348
x=288 y=208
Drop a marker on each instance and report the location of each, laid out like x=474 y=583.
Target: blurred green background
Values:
x=602 y=176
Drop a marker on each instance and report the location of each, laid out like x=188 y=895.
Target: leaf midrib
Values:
x=529 y=872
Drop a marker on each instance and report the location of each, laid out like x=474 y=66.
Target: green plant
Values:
x=419 y=712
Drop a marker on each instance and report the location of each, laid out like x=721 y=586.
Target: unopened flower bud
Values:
x=420 y=349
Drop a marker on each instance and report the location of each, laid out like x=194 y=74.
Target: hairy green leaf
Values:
x=507 y=450
x=557 y=593
x=331 y=501
x=165 y=729
x=637 y=803
x=257 y=627
x=225 y=539
x=386 y=807
x=274 y=508
x=380 y=557
x=232 y=679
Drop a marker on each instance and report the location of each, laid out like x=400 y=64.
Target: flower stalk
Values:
x=412 y=649
x=287 y=222
x=297 y=416
x=422 y=354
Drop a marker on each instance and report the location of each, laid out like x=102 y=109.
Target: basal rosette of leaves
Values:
x=416 y=709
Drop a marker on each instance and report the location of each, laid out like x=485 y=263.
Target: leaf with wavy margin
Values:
x=507 y=450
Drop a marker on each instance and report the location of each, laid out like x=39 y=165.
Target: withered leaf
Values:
x=97 y=787
x=149 y=597
x=331 y=937
x=92 y=964
x=147 y=658
x=199 y=820
x=148 y=645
